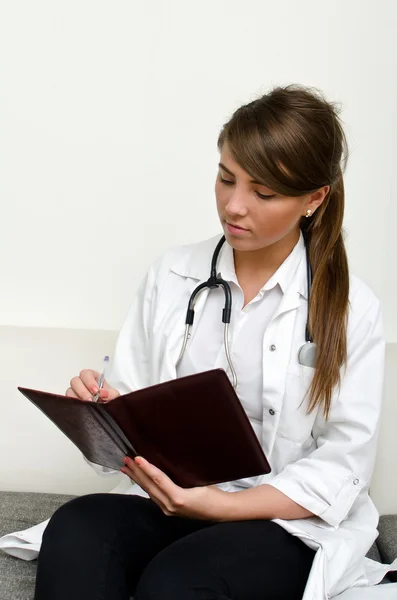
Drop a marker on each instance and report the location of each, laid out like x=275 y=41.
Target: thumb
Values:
x=108 y=392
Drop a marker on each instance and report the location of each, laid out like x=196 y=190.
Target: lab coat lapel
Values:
x=176 y=330
x=279 y=335
x=290 y=301
x=292 y=296
x=194 y=268
x=297 y=289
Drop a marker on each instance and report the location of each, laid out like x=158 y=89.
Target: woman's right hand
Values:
x=85 y=386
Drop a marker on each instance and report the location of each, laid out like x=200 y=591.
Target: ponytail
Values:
x=329 y=296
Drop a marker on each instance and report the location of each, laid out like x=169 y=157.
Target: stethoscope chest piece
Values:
x=307 y=354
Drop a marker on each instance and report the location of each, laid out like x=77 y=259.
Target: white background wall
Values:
x=109 y=114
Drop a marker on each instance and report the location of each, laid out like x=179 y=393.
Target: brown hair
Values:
x=292 y=140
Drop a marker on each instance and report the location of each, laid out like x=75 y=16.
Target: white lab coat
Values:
x=324 y=466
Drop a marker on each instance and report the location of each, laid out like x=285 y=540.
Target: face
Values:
x=252 y=215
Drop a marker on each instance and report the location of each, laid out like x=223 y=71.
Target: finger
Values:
x=136 y=475
x=157 y=476
x=131 y=475
x=89 y=378
x=108 y=393
x=106 y=385
x=103 y=394
x=80 y=389
x=70 y=393
x=157 y=483
x=146 y=483
x=151 y=489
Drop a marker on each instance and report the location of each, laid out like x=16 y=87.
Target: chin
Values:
x=241 y=244
x=248 y=244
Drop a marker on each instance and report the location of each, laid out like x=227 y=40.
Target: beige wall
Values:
x=35 y=456
x=109 y=115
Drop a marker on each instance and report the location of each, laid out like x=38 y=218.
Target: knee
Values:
x=85 y=523
x=73 y=512
x=72 y=521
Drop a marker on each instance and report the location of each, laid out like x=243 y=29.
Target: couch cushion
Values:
x=387 y=541
x=373 y=553
x=19 y=511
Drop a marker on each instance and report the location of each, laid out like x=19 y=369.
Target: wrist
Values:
x=229 y=506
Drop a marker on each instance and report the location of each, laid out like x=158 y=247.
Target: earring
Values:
x=308 y=213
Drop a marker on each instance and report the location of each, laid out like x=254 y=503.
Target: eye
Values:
x=265 y=196
x=227 y=181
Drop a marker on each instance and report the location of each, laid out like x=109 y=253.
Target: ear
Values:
x=315 y=199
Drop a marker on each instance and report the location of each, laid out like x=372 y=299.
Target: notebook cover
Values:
x=193 y=428
x=81 y=423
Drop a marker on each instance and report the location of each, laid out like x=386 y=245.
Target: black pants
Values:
x=112 y=547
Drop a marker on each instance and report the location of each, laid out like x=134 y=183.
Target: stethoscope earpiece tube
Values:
x=227 y=311
x=226 y=315
x=190 y=309
x=215 y=257
x=189 y=316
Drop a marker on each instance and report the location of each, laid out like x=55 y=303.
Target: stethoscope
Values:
x=306 y=353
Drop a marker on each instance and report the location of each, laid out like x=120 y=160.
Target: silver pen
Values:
x=101 y=378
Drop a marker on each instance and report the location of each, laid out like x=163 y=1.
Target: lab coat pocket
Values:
x=295 y=424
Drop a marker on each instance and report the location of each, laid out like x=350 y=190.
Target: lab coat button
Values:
x=356 y=481
x=272 y=348
x=271 y=411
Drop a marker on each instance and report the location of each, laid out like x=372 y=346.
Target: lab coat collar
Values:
x=195 y=263
x=282 y=277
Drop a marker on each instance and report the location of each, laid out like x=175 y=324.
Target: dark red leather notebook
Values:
x=193 y=428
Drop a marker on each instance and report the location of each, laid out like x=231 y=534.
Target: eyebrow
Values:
x=222 y=166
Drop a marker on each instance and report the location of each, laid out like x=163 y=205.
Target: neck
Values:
x=265 y=261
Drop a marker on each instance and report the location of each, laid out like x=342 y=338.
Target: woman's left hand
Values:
x=207 y=502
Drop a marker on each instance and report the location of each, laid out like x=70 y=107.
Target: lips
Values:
x=236 y=226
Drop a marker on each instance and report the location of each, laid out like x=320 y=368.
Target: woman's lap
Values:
x=244 y=560
x=90 y=541
x=107 y=546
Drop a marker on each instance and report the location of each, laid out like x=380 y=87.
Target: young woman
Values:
x=304 y=529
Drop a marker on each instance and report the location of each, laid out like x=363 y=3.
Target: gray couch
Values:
x=19 y=511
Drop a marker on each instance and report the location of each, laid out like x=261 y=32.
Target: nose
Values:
x=236 y=204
